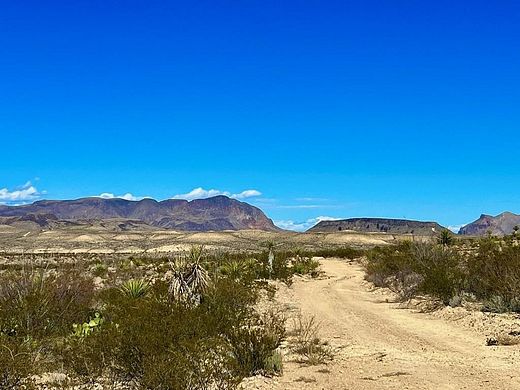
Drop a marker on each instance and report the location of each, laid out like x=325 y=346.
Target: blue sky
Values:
x=327 y=108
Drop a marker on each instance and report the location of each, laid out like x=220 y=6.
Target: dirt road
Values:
x=380 y=346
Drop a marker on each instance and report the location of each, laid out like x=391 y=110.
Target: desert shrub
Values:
x=254 y=344
x=306 y=341
x=274 y=364
x=412 y=268
x=388 y=261
x=280 y=266
x=487 y=269
x=203 y=332
x=305 y=266
x=37 y=307
x=494 y=274
x=162 y=342
x=37 y=303
x=440 y=269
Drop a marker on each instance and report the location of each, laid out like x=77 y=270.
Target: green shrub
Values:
x=412 y=268
x=165 y=343
x=494 y=274
x=488 y=269
x=253 y=345
x=305 y=266
x=36 y=303
x=440 y=270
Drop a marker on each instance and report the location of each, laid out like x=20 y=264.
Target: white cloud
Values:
x=246 y=194
x=127 y=196
x=302 y=226
x=456 y=228
x=25 y=193
x=201 y=193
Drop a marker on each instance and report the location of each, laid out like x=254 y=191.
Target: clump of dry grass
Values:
x=306 y=342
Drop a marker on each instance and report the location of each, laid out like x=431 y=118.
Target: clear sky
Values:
x=327 y=108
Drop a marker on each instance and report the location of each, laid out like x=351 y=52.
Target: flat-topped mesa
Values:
x=216 y=213
x=379 y=225
x=500 y=225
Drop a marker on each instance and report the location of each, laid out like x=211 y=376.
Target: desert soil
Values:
x=379 y=345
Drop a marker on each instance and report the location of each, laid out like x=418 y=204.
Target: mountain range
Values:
x=499 y=225
x=216 y=213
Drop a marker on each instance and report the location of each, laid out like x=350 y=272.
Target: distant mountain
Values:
x=499 y=225
x=216 y=213
x=381 y=225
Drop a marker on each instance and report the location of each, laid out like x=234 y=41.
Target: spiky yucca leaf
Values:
x=235 y=269
x=197 y=278
x=135 y=288
x=179 y=289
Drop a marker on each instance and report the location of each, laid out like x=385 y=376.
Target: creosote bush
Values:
x=37 y=307
x=488 y=269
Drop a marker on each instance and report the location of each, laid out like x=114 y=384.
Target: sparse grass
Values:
x=306 y=342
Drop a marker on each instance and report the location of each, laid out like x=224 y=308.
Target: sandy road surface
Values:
x=383 y=347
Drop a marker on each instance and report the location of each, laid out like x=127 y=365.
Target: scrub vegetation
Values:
x=486 y=270
x=188 y=321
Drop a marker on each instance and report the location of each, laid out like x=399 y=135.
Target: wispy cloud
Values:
x=302 y=226
x=201 y=193
x=26 y=193
x=127 y=196
x=312 y=199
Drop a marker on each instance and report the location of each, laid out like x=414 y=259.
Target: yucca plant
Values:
x=445 y=238
x=179 y=288
x=234 y=269
x=197 y=278
x=135 y=288
x=190 y=280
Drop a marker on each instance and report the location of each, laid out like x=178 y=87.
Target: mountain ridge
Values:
x=380 y=225
x=215 y=213
x=499 y=225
